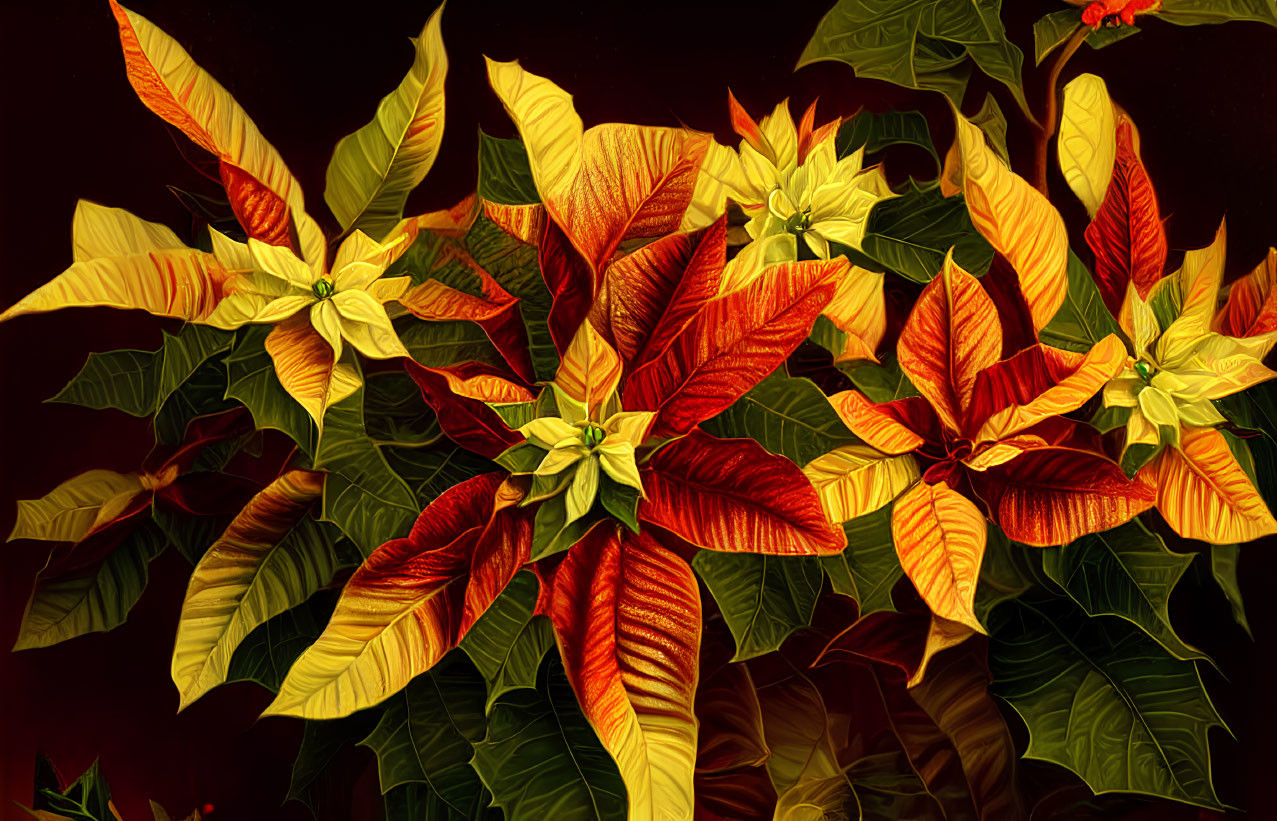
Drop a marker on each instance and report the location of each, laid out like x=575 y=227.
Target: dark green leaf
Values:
x=1008 y=570
x=321 y=742
x=365 y=498
x=868 y=568
x=911 y=234
x=88 y=799
x=440 y=258
x=504 y=173
x=265 y=654
x=524 y=457
x=993 y=123
x=395 y=413
x=1103 y=699
x=875 y=132
x=416 y=801
x=762 y=598
x=439 y=344
x=788 y=416
x=515 y=266
x=619 y=500
x=139 y=382
x=880 y=382
x=507 y=643
x=552 y=532
x=1127 y=572
x=541 y=758
x=433 y=469
x=252 y=381
x=426 y=732
x=1223 y=567
x=1198 y=12
x=203 y=393
x=1050 y=32
x=91 y=599
x=919 y=44
x=1083 y=319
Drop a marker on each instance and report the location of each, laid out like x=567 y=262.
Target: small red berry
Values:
x=207 y=809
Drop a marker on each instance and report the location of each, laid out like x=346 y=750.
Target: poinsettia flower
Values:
x=793 y=182
x=1175 y=371
x=281 y=276
x=985 y=438
x=623 y=600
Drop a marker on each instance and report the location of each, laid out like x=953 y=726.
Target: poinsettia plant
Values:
x=622 y=489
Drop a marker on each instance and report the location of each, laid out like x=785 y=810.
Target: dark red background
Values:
x=309 y=73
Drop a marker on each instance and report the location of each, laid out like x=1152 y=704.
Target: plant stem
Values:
x=1046 y=130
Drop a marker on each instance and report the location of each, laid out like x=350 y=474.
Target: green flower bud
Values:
x=324 y=288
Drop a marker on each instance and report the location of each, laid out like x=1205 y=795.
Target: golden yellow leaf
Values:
x=74 y=508
x=855 y=479
x=1088 y=139
x=1015 y=218
x=99 y=231
x=941 y=635
x=940 y=538
x=590 y=369
x=859 y=310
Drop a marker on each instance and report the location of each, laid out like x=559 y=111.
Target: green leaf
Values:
x=440 y=258
x=868 y=568
x=874 y=132
x=395 y=413
x=505 y=176
x=416 y=801
x=911 y=234
x=763 y=598
x=788 y=416
x=1083 y=319
x=619 y=500
x=1127 y=572
x=993 y=123
x=433 y=469
x=1050 y=32
x=507 y=643
x=438 y=344
x=522 y=457
x=881 y=382
x=321 y=742
x=204 y=392
x=1223 y=567
x=139 y=382
x=920 y=44
x=426 y=734
x=516 y=267
x=93 y=599
x=1103 y=699
x=265 y=654
x=190 y=535
x=88 y=799
x=552 y=532
x=541 y=759
x=1198 y=12
x=362 y=495
x=252 y=381
x=1007 y=571
x=374 y=169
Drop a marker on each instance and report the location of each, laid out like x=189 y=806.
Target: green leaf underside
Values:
x=881 y=382
x=395 y=412
x=1083 y=319
x=94 y=599
x=507 y=643
x=505 y=175
x=1103 y=699
x=1223 y=568
x=1127 y=572
x=252 y=381
x=438 y=344
x=430 y=470
x=541 y=759
x=426 y=733
x=762 y=598
x=87 y=799
x=868 y=568
x=874 y=132
x=911 y=234
x=265 y=654
x=788 y=416
x=321 y=742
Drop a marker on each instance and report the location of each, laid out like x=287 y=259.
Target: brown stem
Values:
x=1042 y=139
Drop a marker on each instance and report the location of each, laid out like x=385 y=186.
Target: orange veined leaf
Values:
x=1203 y=493
x=463 y=412
x=604 y=185
x=525 y=223
x=246 y=577
x=940 y=538
x=859 y=310
x=265 y=197
x=627 y=616
x=952 y=334
x=1052 y=494
x=503 y=548
x=1015 y=218
x=854 y=480
x=731 y=345
x=375 y=168
x=874 y=423
x=306 y=367
x=731 y=495
x=1040 y=383
x=590 y=370
x=941 y=635
x=399 y=613
x=1251 y=308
